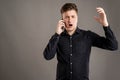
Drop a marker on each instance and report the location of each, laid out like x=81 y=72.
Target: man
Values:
x=73 y=45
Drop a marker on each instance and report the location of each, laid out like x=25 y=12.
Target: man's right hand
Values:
x=60 y=26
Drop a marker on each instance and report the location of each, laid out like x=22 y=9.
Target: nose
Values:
x=69 y=20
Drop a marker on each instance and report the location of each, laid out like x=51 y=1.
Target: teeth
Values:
x=70 y=24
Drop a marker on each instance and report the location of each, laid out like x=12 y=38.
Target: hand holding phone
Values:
x=60 y=27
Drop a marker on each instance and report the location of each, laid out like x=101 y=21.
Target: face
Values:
x=70 y=18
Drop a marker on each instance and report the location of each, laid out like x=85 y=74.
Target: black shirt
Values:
x=73 y=52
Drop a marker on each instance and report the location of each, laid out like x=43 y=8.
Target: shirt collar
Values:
x=76 y=31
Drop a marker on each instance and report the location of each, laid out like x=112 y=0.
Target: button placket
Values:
x=71 y=57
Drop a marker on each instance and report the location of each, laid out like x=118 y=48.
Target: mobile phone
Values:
x=63 y=27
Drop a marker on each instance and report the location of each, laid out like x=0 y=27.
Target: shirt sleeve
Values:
x=108 y=42
x=51 y=47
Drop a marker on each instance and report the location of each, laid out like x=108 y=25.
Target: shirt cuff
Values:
x=56 y=35
x=106 y=28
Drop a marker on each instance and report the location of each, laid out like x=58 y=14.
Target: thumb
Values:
x=97 y=18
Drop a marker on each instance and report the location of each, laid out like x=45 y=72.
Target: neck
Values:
x=71 y=32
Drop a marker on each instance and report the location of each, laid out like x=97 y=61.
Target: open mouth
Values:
x=70 y=25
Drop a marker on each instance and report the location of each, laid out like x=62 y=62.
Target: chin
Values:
x=69 y=29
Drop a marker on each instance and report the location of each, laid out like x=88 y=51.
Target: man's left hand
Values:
x=102 y=18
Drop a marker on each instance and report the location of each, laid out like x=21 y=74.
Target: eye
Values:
x=73 y=16
x=67 y=17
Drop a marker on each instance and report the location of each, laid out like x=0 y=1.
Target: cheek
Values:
x=66 y=22
x=76 y=20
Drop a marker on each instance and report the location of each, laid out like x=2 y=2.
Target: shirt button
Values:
x=70 y=72
x=71 y=63
x=70 y=45
x=70 y=54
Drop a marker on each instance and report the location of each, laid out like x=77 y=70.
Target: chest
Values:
x=74 y=44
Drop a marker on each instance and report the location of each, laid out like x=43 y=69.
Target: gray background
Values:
x=27 y=25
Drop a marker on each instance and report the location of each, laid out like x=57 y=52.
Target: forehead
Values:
x=69 y=12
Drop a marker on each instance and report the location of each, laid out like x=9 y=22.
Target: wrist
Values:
x=58 y=32
x=106 y=27
x=105 y=24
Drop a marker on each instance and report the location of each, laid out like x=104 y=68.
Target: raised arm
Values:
x=109 y=42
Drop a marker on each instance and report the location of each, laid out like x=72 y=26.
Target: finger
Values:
x=99 y=8
x=100 y=11
x=61 y=23
x=96 y=18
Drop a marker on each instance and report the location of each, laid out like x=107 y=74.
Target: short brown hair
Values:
x=68 y=6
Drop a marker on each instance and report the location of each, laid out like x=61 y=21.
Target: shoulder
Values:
x=85 y=32
x=88 y=33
